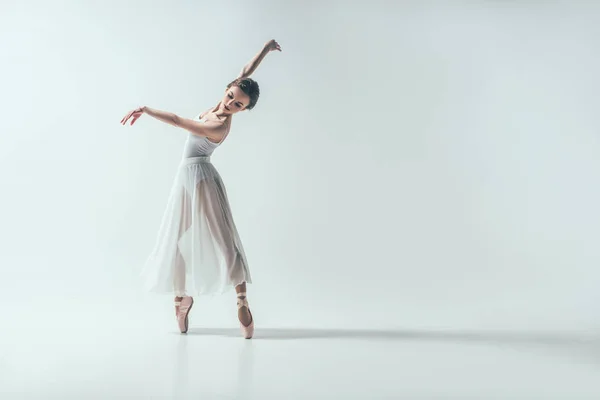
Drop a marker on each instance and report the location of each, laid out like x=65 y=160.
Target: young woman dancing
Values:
x=198 y=249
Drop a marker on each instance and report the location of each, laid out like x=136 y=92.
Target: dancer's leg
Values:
x=184 y=224
x=220 y=222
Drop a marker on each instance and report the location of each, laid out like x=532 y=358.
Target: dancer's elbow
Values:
x=176 y=120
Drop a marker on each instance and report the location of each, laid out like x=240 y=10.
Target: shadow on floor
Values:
x=585 y=344
x=500 y=337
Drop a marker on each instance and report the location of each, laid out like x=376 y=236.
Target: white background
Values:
x=409 y=165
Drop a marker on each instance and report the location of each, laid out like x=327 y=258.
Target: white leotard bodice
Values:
x=198 y=146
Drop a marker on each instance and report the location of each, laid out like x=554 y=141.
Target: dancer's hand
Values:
x=272 y=45
x=135 y=114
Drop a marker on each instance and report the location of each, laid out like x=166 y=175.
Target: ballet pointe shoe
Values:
x=183 y=310
x=247 y=331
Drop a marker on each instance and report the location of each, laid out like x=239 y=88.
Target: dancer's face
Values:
x=235 y=100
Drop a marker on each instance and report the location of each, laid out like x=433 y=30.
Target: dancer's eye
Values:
x=230 y=95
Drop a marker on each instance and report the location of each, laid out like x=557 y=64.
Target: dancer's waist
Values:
x=195 y=160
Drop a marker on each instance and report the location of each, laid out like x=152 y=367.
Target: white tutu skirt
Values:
x=198 y=249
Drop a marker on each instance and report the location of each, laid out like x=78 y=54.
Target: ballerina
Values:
x=198 y=249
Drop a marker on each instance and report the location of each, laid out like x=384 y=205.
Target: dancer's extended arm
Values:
x=213 y=130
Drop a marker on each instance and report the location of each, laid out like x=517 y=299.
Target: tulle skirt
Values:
x=198 y=249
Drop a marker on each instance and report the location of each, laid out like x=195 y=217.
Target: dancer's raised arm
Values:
x=249 y=68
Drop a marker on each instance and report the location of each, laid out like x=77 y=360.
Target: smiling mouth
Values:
x=227 y=108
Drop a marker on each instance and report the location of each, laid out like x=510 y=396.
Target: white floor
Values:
x=62 y=357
